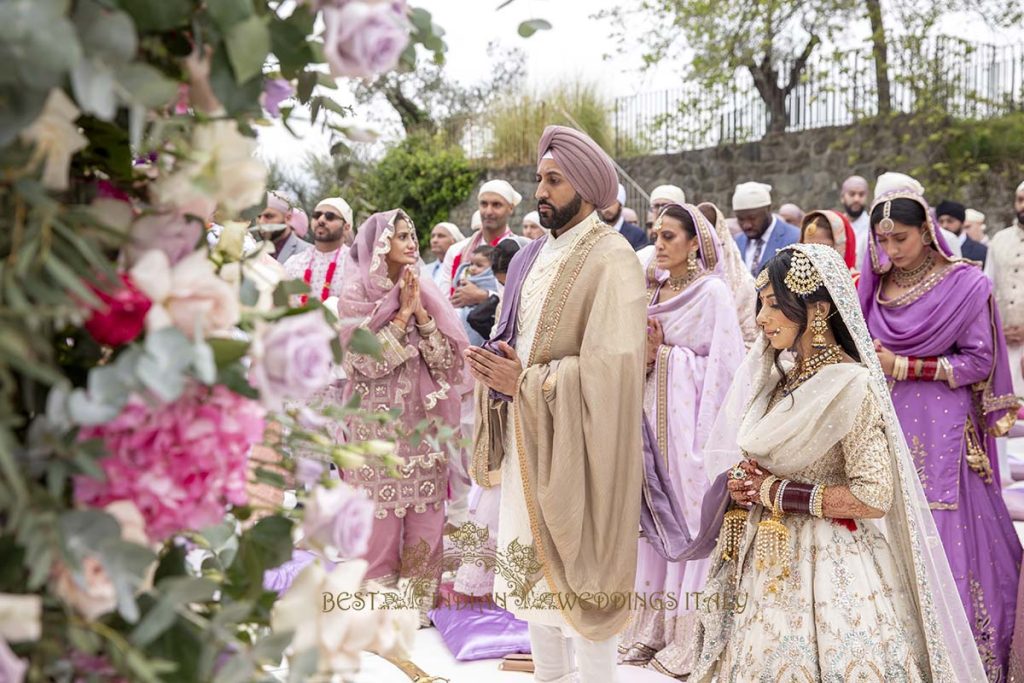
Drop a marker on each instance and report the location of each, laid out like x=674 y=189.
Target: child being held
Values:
x=478 y=272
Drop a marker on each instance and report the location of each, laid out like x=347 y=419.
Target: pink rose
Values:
x=292 y=358
x=12 y=669
x=364 y=39
x=339 y=518
x=171 y=232
x=121 y=314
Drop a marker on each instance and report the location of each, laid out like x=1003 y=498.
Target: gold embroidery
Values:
x=661 y=371
x=916 y=292
x=984 y=632
x=919 y=453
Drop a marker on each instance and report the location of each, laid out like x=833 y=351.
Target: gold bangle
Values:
x=766 y=490
x=818 y=501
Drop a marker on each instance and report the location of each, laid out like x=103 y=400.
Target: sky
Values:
x=578 y=45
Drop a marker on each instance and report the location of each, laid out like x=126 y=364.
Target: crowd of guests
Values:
x=944 y=322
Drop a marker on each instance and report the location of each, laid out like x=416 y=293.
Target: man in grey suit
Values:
x=284 y=222
x=762 y=233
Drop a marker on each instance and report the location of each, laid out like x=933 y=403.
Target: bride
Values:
x=824 y=533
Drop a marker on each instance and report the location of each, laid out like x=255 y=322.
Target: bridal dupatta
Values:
x=908 y=526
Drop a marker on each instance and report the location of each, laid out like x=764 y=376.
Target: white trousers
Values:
x=558 y=658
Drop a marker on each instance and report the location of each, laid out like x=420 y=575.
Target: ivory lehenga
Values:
x=839 y=600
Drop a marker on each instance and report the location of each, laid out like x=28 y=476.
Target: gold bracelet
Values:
x=766 y=490
x=818 y=501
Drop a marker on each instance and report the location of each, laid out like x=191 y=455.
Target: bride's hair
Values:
x=795 y=307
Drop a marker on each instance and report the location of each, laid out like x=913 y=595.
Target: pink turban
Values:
x=855 y=182
x=586 y=166
x=294 y=217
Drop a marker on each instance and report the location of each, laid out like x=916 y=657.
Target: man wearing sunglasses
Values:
x=285 y=224
x=321 y=267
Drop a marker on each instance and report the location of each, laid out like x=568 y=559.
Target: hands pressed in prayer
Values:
x=886 y=357
x=500 y=374
x=747 y=491
x=409 y=302
x=468 y=295
x=655 y=338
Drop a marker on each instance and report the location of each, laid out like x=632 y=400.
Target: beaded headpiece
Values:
x=762 y=280
x=803 y=278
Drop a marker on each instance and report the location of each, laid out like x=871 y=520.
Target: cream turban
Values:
x=895 y=182
x=503 y=189
x=751 y=196
x=452 y=230
x=620 y=196
x=672 y=193
x=1020 y=188
x=532 y=217
x=586 y=166
x=476 y=222
x=339 y=205
x=975 y=216
x=294 y=217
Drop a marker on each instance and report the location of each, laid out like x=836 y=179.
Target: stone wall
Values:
x=805 y=168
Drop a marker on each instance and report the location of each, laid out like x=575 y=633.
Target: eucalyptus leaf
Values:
x=227 y=351
x=105 y=33
x=528 y=28
x=365 y=342
x=39 y=43
x=126 y=564
x=83 y=531
x=146 y=85
x=248 y=44
x=227 y=13
x=94 y=84
x=158 y=15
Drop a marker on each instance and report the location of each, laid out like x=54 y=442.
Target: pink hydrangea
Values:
x=179 y=463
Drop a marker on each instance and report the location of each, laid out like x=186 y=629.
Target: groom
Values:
x=559 y=414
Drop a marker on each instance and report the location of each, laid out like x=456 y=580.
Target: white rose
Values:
x=20 y=617
x=186 y=295
x=56 y=138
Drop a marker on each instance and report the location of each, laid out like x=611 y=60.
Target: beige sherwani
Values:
x=569 y=445
x=1005 y=266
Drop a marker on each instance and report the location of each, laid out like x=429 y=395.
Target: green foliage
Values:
x=423 y=175
x=518 y=122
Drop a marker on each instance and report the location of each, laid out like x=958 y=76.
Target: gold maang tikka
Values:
x=887 y=224
x=802 y=278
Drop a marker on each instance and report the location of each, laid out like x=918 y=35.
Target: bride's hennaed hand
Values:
x=755 y=475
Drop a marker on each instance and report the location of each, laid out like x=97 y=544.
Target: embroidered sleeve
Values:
x=435 y=348
x=866 y=453
x=971 y=360
x=393 y=353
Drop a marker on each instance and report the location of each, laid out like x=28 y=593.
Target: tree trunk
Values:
x=766 y=80
x=880 y=53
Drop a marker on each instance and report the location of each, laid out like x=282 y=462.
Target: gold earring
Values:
x=818 y=327
x=926 y=238
x=691 y=261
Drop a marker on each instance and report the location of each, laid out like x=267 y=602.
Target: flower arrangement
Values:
x=151 y=376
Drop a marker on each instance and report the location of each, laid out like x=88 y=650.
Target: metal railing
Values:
x=967 y=80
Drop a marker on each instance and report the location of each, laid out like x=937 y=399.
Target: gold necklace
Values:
x=808 y=367
x=676 y=284
x=912 y=277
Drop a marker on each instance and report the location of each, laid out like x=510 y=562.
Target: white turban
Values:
x=503 y=189
x=673 y=193
x=1020 y=188
x=339 y=205
x=894 y=182
x=452 y=230
x=975 y=216
x=476 y=222
x=751 y=196
x=621 y=196
x=532 y=217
